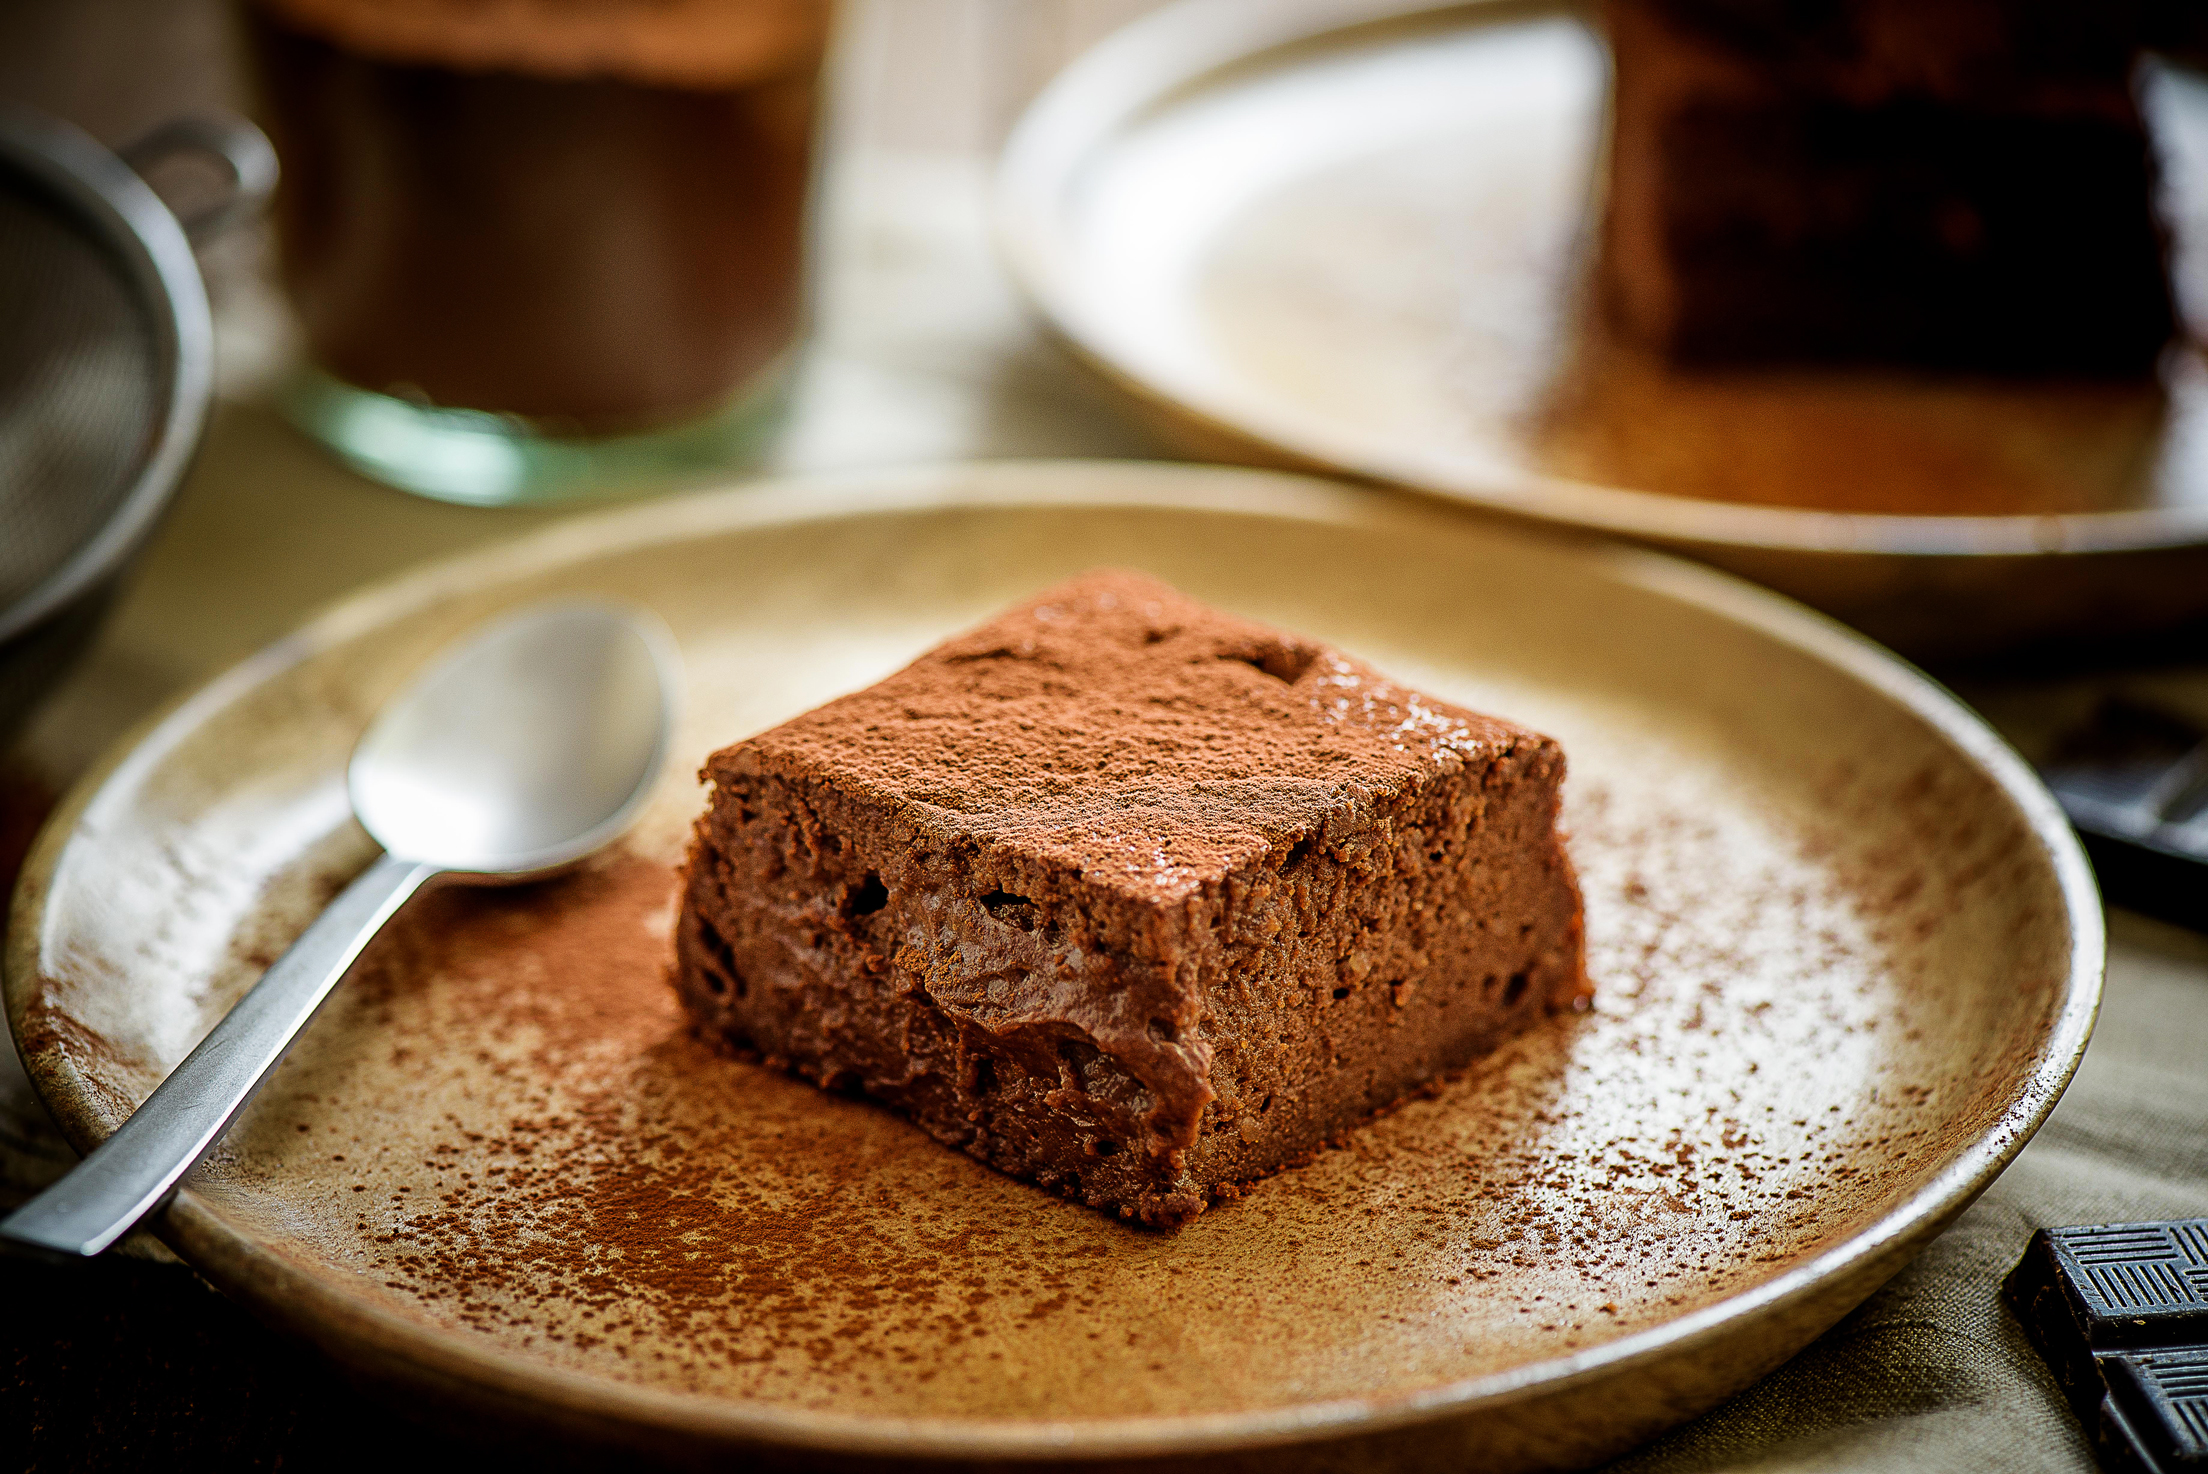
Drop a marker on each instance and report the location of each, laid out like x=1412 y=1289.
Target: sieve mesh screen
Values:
x=80 y=383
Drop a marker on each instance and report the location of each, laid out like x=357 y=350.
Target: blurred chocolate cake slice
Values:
x=1951 y=184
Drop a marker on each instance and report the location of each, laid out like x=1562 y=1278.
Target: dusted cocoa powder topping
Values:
x=1131 y=898
x=1121 y=729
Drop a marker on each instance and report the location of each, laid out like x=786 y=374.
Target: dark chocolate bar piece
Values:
x=2119 y=1311
x=2155 y=1419
x=2134 y=780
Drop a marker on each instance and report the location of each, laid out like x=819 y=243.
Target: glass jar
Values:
x=542 y=248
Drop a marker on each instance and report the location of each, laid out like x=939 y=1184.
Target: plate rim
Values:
x=410 y=1348
x=1177 y=50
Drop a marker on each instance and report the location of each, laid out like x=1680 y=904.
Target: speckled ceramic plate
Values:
x=1847 y=956
x=1351 y=234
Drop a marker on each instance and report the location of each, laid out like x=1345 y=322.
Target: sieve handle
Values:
x=240 y=147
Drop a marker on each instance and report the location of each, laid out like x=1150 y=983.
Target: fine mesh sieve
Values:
x=105 y=361
x=105 y=365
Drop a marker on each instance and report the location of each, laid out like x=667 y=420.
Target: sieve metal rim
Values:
x=107 y=195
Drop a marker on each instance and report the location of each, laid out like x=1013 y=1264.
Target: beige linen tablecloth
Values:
x=923 y=355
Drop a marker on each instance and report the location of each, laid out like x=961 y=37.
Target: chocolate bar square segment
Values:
x=2110 y=1287
x=2156 y=1417
x=1130 y=898
x=2137 y=1284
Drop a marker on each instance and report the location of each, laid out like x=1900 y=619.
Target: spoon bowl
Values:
x=526 y=749
x=513 y=756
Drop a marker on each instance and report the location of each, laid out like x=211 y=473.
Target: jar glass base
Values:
x=481 y=459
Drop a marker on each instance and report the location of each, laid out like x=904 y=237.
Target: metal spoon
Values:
x=511 y=757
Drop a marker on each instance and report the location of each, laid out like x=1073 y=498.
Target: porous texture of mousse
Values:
x=1130 y=898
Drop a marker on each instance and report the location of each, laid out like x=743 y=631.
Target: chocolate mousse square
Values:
x=1130 y=898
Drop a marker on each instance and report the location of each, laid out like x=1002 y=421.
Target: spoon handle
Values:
x=133 y=1172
